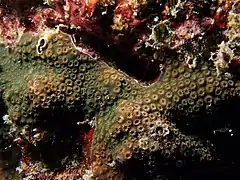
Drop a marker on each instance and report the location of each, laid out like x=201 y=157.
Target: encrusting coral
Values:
x=45 y=76
x=70 y=112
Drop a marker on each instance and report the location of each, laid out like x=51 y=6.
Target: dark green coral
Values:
x=131 y=121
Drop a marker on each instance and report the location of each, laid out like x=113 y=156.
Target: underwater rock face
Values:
x=71 y=115
x=45 y=74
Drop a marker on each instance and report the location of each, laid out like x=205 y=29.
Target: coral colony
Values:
x=123 y=90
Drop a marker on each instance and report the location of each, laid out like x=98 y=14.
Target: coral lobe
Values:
x=73 y=115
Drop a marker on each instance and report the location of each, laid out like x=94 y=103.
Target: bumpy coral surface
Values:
x=46 y=74
x=68 y=114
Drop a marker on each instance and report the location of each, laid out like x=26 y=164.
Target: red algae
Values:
x=11 y=29
x=87 y=146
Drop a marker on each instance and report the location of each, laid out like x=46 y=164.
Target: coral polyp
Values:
x=70 y=112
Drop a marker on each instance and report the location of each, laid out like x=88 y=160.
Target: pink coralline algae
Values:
x=188 y=30
x=10 y=29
